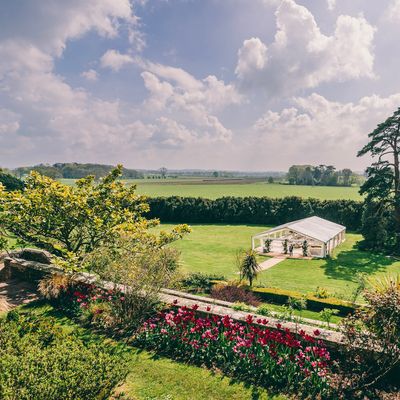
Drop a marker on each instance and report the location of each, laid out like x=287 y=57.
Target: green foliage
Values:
x=10 y=182
x=38 y=360
x=144 y=266
x=76 y=171
x=248 y=265
x=281 y=296
x=239 y=306
x=254 y=210
x=327 y=314
x=304 y=247
x=382 y=187
x=374 y=327
x=321 y=293
x=322 y=175
x=264 y=309
x=267 y=245
x=72 y=222
x=199 y=282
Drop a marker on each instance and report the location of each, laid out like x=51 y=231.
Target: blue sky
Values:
x=216 y=84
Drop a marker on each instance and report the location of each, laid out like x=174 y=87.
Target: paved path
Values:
x=14 y=292
x=267 y=264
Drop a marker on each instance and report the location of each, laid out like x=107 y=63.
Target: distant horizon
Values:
x=172 y=170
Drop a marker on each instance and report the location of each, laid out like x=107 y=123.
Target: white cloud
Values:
x=316 y=130
x=192 y=102
x=49 y=25
x=301 y=56
x=251 y=57
x=90 y=75
x=392 y=13
x=114 y=60
x=331 y=4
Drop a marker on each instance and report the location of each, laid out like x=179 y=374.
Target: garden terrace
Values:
x=34 y=270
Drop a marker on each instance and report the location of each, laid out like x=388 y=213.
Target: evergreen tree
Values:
x=382 y=186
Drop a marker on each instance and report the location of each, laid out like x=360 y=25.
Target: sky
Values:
x=250 y=85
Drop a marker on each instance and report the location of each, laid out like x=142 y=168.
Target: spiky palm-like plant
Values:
x=248 y=266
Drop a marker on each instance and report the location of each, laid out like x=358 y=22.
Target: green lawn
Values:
x=158 y=378
x=196 y=188
x=212 y=249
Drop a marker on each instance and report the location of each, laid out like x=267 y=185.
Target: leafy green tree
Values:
x=73 y=222
x=163 y=172
x=248 y=265
x=382 y=187
x=10 y=182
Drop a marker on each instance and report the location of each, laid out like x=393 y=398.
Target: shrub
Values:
x=238 y=306
x=199 y=282
x=234 y=293
x=374 y=328
x=264 y=310
x=321 y=293
x=247 y=265
x=281 y=296
x=327 y=313
x=249 y=352
x=143 y=272
x=52 y=286
x=38 y=360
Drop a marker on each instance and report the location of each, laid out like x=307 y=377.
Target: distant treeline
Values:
x=75 y=171
x=321 y=175
x=254 y=210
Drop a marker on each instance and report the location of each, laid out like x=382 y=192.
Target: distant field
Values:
x=212 y=249
x=215 y=188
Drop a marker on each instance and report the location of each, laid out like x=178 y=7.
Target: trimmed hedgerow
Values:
x=281 y=296
x=254 y=210
x=38 y=360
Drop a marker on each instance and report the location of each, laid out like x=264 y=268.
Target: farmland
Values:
x=213 y=248
x=215 y=188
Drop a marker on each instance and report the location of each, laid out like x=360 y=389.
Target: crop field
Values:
x=213 y=248
x=215 y=188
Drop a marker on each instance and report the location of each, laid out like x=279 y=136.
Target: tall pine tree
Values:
x=382 y=187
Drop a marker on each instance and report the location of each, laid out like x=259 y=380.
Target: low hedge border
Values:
x=281 y=296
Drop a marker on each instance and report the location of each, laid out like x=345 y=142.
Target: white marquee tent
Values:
x=322 y=237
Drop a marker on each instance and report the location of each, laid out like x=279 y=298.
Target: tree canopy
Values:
x=10 y=182
x=320 y=175
x=72 y=222
x=382 y=187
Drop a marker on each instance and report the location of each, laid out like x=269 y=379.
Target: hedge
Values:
x=281 y=296
x=254 y=210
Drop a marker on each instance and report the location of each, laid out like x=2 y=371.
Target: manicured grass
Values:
x=337 y=274
x=212 y=249
x=158 y=378
x=191 y=188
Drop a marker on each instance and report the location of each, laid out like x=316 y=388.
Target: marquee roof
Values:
x=314 y=227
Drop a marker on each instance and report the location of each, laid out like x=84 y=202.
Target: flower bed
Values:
x=248 y=351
